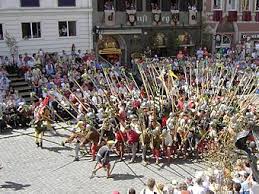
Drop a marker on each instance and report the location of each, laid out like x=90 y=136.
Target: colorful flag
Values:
x=172 y=74
x=40 y=109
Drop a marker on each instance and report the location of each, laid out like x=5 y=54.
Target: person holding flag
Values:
x=41 y=121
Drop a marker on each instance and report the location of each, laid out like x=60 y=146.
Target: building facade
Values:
x=123 y=29
x=233 y=22
x=52 y=25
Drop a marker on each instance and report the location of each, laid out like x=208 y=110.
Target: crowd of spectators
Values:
x=211 y=181
x=43 y=71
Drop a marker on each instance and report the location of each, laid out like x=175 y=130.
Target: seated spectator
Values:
x=50 y=71
x=28 y=75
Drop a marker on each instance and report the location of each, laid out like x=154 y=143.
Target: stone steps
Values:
x=23 y=88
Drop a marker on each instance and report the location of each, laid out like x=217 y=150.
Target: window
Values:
x=192 y=4
x=1 y=32
x=153 y=5
x=217 y=4
x=100 y=5
x=109 y=5
x=130 y=4
x=257 y=5
x=174 y=4
x=30 y=3
x=67 y=28
x=231 y=5
x=245 y=5
x=64 y=3
x=31 y=30
x=120 y=5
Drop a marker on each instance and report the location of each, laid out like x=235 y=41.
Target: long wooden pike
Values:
x=147 y=82
x=68 y=101
x=83 y=92
x=144 y=83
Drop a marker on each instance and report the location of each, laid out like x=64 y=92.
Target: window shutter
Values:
x=166 y=6
x=139 y=5
x=100 y=4
x=148 y=5
x=120 y=5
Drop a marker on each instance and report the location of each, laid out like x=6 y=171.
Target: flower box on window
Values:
x=217 y=15
x=232 y=16
x=247 y=16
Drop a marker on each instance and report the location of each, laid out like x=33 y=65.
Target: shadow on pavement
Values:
x=56 y=149
x=117 y=177
x=14 y=186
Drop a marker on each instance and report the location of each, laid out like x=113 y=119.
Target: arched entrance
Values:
x=109 y=49
x=225 y=33
x=112 y=48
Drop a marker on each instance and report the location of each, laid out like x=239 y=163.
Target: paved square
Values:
x=28 y=169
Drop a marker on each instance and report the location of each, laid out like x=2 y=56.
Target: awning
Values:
x=124 y=31
x=110 y=51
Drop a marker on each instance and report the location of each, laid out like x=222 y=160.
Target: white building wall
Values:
x=48 y=14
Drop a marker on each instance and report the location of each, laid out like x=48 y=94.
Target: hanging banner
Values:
x=132 y=17
x=109 y=16
x=156 y=17
x=192 y=17
x=175 y=17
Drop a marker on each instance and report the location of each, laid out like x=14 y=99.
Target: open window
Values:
x=245 y=5
x=152 y=5
x=217 y=4
x=31 y=30
x=108 y=5
x=1 y=32
x=174 y=4
x=257 y=5
x=192 y=5
x=67 y=28
x=130 y=4
x=231 y=5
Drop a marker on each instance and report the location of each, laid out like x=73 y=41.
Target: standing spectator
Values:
x=133 y=138
x=150 y=188
x=199 y=53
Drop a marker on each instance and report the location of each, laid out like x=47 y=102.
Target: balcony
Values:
x=217 y=15
x=257 y=17
x=232 y=16
x=246 y=16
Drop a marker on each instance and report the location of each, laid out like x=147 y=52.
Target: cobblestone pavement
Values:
x=28 y=169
